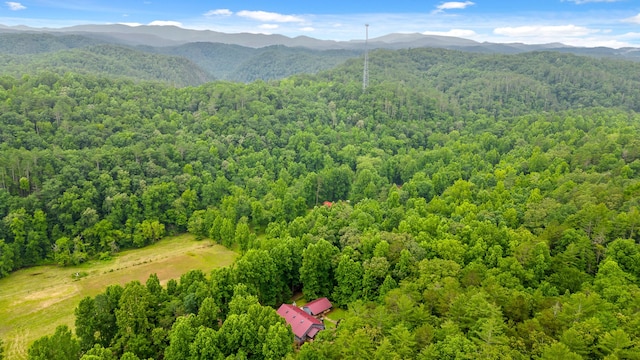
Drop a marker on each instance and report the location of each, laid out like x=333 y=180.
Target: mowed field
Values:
x=34 y=301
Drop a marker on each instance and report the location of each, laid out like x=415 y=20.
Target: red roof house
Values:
x=303 y=325
x=317 y=306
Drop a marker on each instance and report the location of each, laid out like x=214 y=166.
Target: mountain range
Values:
x=189 y=57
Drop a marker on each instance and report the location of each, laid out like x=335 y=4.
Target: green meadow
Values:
x=34 y=301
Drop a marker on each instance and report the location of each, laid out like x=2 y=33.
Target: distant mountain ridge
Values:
x=157 y=36
x=190 y=63
x=186 y=57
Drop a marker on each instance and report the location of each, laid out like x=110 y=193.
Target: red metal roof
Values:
x=312 y=333
x=317 y=306
x=301 y=322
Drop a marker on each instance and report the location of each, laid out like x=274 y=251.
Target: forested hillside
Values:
x=495 y=85
x=184 y=65
x=530 y=80
x=29 y=43
x=482 y=206
x=108 y=61
x=238 y=63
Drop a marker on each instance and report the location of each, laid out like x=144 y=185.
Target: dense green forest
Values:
x=182 y=65
x=107 y=60
x=267 y=63
x=483 y=206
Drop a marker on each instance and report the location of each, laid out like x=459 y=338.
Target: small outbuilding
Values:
x=317 y=307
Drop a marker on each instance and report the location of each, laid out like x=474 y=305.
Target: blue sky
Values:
x=613 y=23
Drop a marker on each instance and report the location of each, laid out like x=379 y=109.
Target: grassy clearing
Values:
x=328 y=324
x=333 y=317
x=34 y=301
x=337 y=314
x=299 y=299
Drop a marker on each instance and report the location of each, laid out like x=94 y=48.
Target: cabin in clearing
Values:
x=303 y=325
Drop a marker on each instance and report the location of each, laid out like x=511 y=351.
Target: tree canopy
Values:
x=464 y=206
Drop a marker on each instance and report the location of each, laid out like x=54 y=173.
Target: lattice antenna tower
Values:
x=365 y=75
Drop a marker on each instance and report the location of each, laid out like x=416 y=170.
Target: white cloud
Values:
x=571 y=35
x=15 y=6
x=453 y=5
x=307 y=29
x=544 y=31
x=580 y=2
x=219 y=12
x=593 y=42
x=453 y=32
x=630 y=35
x=269 y=26
x=269 y=16
x=132 y=24
x=633 y=19
x=165 y=23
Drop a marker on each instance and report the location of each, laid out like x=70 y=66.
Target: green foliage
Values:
x=148 y=232
x=6 y=258
x=187 y=64
x=477 y=206
x=85 y=323
x=316 y=272
x=98 y=353
x=348 y=275
x=257 y=270
x=29 y=43
x=183 y=333
x=61 y=345
x=559 y=351
x=278 y=342
x=133 y=321
x=129 y=356
x=106 y=60
x=247 y=333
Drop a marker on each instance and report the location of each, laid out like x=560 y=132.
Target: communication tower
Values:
x=365 y=76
